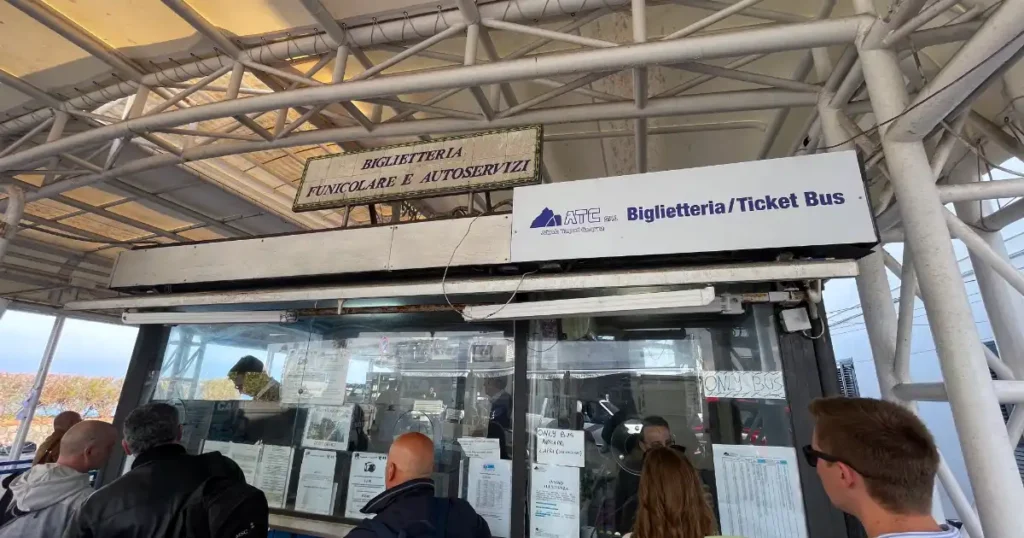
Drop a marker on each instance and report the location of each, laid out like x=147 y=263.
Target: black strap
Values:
x=441 y=505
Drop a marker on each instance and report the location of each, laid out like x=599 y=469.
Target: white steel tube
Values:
x=26 y=137
x=12 y=217
x=1004 y=307
x=918 y=21
x=712 y=19
x=998 y=40
x=979 y=424
x=775 y=38
x=960 y=501
x=985 y=190
x=1006 y=392
x=872 y=282
x=1006 y=215
x=37 y=388
x=984 y=252
x=547 y=34
x=696 y=104
x=905 y=326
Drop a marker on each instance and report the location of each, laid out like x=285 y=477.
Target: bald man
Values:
x=49 y=449
x=409 y=504
x=47 y=496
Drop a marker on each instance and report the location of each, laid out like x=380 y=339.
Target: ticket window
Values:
x=309 y=410
x=603 y=390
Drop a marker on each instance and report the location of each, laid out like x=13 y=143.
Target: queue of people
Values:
x=876 y=460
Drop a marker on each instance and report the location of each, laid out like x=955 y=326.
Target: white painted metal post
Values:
x=983 y=438
x=1003 y=305
x=37 y=388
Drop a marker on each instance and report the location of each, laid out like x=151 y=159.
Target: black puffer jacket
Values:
x=145 y=502
x=407 y=505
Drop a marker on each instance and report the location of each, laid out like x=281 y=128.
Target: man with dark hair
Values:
x=249 y=378
x=169 y=493
x=654 y=433
x=877 y=462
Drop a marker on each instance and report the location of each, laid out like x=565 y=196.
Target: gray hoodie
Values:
x=47 y=496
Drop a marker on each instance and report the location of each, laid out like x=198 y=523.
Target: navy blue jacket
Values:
x=407 y=505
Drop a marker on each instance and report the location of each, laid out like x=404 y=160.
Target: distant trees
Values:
x=62 y=392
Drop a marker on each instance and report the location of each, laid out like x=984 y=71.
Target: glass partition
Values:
x=605 y=390
x=309 y=410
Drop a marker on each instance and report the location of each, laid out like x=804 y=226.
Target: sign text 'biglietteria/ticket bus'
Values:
x=481 y=162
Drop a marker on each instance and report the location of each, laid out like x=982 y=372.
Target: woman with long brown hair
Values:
x=671 y=498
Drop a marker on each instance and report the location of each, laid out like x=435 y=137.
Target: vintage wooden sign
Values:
x=473 y=163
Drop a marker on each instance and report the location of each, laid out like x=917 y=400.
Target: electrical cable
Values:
x=954 y=82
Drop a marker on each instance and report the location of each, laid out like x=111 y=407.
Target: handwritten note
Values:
x=480 y=447
x=757 y=385
x=560 y=447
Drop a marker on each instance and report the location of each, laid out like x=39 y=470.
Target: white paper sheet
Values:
x=223 y=447
x=365 y=481
x=328 y=427
x=316 y=482
x=489 y=491
x=729 y=384
x=560 y=447
x=315 y=376
x=272 y=474
x=759 y=491
x=480 y=447
x=554 y=501
x=248 y=458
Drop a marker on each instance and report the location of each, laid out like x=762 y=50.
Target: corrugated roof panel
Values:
x=48 y=209
x=92 y=196
x=134 y=26
x=202 y=234
x=141 y=213
x=105 y=227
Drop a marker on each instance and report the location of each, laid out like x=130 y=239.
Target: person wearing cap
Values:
x=251 y=380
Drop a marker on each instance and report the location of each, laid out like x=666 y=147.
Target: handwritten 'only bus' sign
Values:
x=474 y=163
x=755 y=385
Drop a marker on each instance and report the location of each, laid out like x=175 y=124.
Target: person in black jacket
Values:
x=146 y=502
x=408 y=504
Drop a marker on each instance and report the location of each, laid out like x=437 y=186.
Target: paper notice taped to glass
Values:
x=315 y=376
x=365 y=481
x=480 y=447
x=754 y=385
x=489 y=491
x=554 y=501
x=328 y=427
x=759 y=491
x=246 y=456
x=560 y=447
x=316 y=482
x=273 y=472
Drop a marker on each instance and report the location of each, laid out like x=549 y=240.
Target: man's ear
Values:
x=177 y=438
x=847 y=475
x=390 y=470
x=124 y=445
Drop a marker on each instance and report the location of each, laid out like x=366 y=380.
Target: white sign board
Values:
x=812 y=200
x=480 y=162
x=759 y=491
x=317 y=488
x=725 y=384
x=560 y=447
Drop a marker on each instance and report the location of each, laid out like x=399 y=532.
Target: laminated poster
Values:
x=489 y=492
x=554 y=501
x=328 y=427
x=759 y=491
x=560 y=447
x=480 y=447
x=316 y=490
x=315 y=376
x=246 y=456
x=365 y=481
x=272 y=474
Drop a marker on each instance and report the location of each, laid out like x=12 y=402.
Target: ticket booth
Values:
x=532 y=347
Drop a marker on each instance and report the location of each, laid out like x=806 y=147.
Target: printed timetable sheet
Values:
x=759 y=491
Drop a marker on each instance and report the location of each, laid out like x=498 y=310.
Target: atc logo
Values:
x=550 y=219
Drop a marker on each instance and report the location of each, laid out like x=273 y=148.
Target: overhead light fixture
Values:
x=205 y=318
x=702 y=300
